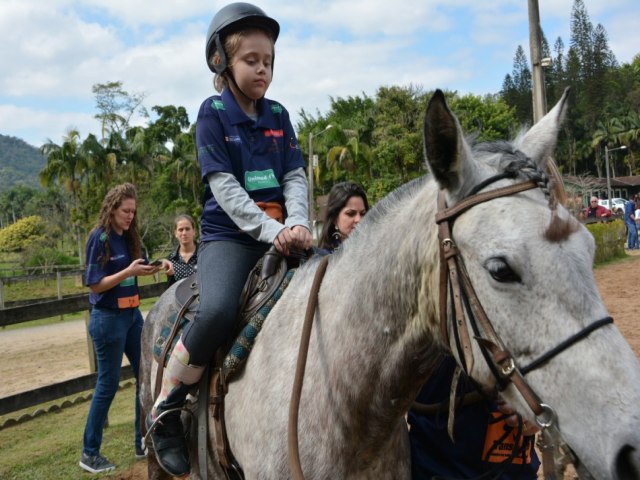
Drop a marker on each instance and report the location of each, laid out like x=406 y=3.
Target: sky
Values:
x=54 y=51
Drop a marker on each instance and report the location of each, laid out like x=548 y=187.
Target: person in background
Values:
x=182 y=262
x=346 y=206
x=595 y=210
x=114 y=261
x=630 y=221
x=255 y=196
x=485 y=435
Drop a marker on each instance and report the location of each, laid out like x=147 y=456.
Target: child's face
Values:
x=251 y=64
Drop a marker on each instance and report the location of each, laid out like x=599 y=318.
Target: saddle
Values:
x=262 y=282
x=264 y=286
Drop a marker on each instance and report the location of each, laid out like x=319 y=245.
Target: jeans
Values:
x=223 y=268
x=114 y=332
x=632 y=235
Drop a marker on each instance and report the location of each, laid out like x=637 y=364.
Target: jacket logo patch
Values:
x=260 y=179
x=274 y=133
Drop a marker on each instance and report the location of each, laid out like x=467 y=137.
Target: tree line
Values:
x=373 y=140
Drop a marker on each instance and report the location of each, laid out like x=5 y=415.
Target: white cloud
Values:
x=36 y=126
x=58 y=49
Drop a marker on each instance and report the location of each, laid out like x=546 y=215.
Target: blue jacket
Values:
x=482 y=440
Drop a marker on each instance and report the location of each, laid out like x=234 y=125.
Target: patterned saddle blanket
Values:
x=265 y=285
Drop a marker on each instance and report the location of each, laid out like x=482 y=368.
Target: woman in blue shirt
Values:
x=114 y=261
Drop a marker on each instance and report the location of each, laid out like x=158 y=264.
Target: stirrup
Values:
x=146 y=440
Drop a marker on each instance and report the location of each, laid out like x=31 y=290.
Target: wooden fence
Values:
x=51 y=308
x=57 y=274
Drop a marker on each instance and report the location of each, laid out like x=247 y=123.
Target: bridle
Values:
x=465 y=305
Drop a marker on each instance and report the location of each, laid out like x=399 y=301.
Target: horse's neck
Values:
x=379 y=315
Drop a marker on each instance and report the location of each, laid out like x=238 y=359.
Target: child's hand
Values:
x=292 y=238
x=303 y=236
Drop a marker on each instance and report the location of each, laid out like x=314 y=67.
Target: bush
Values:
x=21 y=235
x=44 y=257
x=610 y=238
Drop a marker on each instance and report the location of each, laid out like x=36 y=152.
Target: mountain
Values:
x=20 y=163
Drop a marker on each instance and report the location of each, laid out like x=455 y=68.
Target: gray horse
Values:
x=376 y=337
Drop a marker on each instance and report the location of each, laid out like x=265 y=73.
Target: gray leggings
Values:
x=223 y=268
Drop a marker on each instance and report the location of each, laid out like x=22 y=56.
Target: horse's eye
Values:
x=500 y=271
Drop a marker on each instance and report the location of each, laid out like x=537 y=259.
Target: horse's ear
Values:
x=540 y=141
x=444 y=143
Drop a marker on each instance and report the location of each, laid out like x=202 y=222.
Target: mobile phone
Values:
x=156 y=263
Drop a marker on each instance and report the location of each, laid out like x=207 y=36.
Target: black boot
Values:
x=169 y=442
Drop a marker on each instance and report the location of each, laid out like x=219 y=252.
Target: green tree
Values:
x=115 y=107
x=490 y=117
x=516 y=88
x=20 y=235
x=397 y=136
x=66 y=165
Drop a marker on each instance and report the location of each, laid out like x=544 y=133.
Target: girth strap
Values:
x=227 y=461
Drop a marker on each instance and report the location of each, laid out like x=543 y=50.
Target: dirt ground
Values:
x=39 y=356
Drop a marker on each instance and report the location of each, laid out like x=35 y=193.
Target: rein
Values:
x=455 y=279
x=301 y=364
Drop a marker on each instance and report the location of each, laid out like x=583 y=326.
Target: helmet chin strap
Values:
x=229 y=75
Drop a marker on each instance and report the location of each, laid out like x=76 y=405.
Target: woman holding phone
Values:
x=114 y=261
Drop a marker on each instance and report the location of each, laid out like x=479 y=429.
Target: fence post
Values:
x=93 y=367
x=1 y=294
x=59 y=285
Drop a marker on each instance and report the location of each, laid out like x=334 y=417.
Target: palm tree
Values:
x=606 y=133
x=66 y=164
x=352 y=155
x=183 y=157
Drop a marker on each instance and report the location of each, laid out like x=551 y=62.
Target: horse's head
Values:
x=530 y=264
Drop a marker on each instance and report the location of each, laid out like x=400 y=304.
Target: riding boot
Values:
x=169 y=442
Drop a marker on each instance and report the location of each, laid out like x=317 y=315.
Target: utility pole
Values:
x=537 y=74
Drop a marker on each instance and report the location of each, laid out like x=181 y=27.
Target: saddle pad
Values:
x=165 y=332
x=243 y=343
x=245 y=340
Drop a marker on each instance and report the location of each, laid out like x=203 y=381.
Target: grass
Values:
x=49 y=446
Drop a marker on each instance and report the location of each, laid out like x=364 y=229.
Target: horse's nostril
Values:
x=627 y=464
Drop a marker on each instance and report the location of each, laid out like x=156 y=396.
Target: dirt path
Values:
x=38 y=356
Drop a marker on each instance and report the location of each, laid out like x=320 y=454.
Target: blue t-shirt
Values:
x=123 y=295
x=257 y=153
x=477 y=433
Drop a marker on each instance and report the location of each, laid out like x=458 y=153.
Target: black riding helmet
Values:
x=234 y=17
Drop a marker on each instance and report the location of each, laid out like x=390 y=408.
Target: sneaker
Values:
x=96 y=463
x=141 y=452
